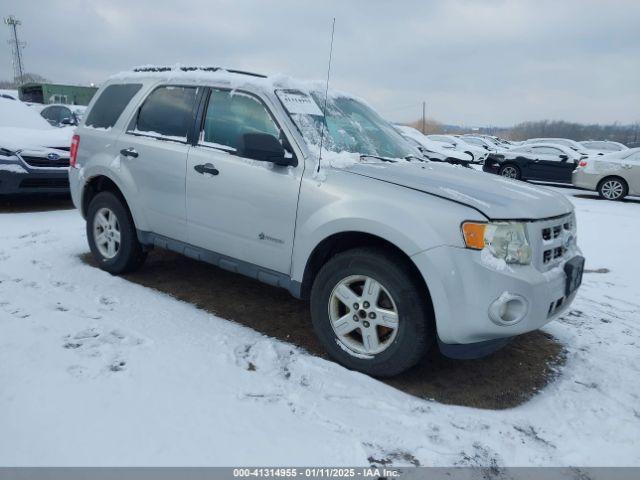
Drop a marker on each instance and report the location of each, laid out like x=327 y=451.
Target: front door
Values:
x=154 y=151
x=550 y=166
x=236 y=206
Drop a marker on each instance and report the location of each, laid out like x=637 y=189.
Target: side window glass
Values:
x=110 y=105
x=232 y=114
x=48 y=113
x=167 y=112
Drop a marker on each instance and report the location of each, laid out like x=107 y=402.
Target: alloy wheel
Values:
x=612 y=189
x=363 y=315
x=106 y=233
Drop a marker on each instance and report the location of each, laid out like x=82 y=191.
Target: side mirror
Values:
x=265 y=148
x=564 y=157
x=68 y=121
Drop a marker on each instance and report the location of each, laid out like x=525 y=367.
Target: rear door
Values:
x=236 y=206
x=154 y=151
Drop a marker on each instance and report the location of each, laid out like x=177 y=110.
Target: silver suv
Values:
x=394 y=253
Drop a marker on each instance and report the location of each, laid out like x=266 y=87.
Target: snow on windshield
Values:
x=349 y=126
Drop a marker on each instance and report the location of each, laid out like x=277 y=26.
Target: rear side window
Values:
x=167 y=112
x=110 y=105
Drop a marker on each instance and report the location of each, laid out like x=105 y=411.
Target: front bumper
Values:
x=463 y=287
x=16 y=179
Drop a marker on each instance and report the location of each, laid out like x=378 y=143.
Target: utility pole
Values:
x=424 y=117
x=16 y=47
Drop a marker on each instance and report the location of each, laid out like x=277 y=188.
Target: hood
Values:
x=31 y=138
x=496 y=197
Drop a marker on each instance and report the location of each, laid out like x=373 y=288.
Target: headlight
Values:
x=504 y=240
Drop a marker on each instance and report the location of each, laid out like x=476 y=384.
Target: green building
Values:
x=55 y=93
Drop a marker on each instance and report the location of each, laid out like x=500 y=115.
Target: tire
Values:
x=613 y=188
x=114 y=217
x=398 y=348
x=510 y=170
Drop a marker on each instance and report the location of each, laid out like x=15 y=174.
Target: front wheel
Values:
x=612 y=188
x=370 y=313
x=112 y=235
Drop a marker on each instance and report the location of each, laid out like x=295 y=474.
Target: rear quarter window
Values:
x=110 y=105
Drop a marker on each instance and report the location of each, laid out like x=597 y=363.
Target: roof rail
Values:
x=193 y=69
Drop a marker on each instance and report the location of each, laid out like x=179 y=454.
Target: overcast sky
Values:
x=480 y=62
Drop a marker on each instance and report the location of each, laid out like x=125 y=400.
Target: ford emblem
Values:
x=53 y=156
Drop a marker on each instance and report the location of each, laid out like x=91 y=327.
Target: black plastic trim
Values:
x=265 y=275
x=470 y=351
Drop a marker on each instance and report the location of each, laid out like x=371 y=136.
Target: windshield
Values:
x=351 y=126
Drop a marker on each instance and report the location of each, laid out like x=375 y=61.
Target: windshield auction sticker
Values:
x=299 y=102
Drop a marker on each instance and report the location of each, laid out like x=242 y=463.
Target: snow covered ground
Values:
x=95 y=370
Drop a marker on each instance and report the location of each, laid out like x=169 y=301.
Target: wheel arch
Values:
x=348 y=240
x=103 y=183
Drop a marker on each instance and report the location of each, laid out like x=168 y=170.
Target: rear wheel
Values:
x=370 y=313
x=510 y=171
x=613 y=188
x=112 y=235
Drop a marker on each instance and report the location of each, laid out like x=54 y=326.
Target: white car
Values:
x=613 y=176
x=572 y=144
x=34 y=156
x=478 y=154
x=481 y=142
x=603 y=147
x=434 y=150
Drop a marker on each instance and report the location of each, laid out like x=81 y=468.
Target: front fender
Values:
x=411 y=220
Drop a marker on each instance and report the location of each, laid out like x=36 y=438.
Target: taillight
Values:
x=583 y=163
x=73 y=153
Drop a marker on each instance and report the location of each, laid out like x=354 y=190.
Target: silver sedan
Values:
x=613 y=176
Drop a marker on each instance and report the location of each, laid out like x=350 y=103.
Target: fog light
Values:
x=508 y=309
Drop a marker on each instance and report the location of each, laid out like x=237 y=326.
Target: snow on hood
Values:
x=496 y=197
x=35 y=139
x=22 y=127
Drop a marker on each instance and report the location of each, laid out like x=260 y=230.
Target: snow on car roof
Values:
x=231 y=77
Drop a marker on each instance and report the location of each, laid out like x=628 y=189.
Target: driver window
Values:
x=231 y=114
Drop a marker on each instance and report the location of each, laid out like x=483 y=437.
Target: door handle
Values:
x=206 y=168
x=129 y=152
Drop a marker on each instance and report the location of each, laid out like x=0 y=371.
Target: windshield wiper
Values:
x=421 y=159
x=384 y=159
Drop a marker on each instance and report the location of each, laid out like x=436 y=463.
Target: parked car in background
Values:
x=603 y=147
x=548 y=162
x=478 y=154
x=480 y=142
x=34 y=156
x=395 y=255
x=438 y=151
x=565 y=142
x=60 y=115
x=613 y=176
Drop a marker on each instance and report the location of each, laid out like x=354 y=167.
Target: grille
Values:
x=44 y=183
x=45 y=162
x=552 y=240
